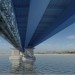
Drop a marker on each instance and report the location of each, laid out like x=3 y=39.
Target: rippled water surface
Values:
x=45 y=64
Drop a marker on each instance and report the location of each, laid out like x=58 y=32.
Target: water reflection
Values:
x=44 y=65
x=22 y=70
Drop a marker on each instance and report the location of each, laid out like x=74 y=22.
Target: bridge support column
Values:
x=28 y=58
x=15 y=58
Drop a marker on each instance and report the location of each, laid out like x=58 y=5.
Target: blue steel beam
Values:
x=65 y=20
x=21 y=9
x=37 y=9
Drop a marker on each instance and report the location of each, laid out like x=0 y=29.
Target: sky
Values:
x=64 y=40
x=5 y=46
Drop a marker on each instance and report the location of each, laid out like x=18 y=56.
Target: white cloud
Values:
x=71 y=37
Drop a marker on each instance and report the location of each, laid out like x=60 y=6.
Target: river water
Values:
x=53 y=64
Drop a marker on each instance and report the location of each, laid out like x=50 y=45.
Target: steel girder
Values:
x=6 y=11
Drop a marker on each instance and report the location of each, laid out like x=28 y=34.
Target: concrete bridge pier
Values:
x=25 y=59
x=15 y=58
x=28 y=58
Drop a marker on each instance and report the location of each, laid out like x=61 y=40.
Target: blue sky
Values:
x=64 y=40
x=4 y=45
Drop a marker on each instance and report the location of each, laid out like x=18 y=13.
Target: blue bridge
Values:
x=27 y=23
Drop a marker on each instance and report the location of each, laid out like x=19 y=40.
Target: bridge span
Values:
x=27 y=23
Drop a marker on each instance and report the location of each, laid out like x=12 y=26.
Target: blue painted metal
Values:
x=66 y=19
x=21 y=9
x=37 y=20
x=37 y=9
x=43 y=18
x=62 y=26
x=48 y=23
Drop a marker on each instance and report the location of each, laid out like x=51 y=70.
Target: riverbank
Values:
x=56 y=52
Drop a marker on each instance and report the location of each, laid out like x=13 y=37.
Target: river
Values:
x=53 y=64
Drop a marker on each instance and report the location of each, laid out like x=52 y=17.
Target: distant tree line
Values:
x=56 y=52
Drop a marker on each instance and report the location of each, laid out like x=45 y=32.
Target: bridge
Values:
x=27 y=23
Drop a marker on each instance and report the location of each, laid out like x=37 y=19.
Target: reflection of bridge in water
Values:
x=21 y=69
x=27 y=23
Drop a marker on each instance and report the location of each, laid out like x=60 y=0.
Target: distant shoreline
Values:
x=56 y=52
x=46 y=52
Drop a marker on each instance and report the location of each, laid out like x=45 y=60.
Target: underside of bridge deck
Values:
x=27 y=23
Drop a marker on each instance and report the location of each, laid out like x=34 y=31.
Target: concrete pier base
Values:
x=15 y=58
x=28 y=58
